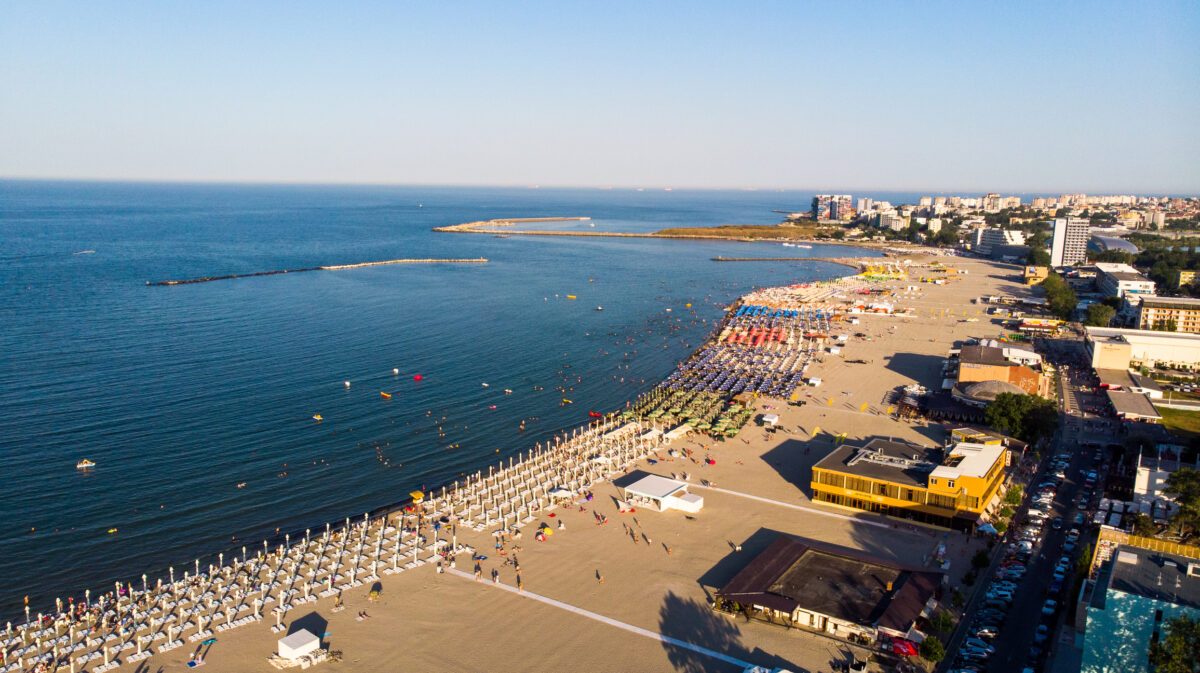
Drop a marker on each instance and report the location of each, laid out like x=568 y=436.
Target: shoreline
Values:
x=539 y=491
x=387 y=510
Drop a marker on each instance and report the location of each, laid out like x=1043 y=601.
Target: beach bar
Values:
x=298 y=644
x=663 y=494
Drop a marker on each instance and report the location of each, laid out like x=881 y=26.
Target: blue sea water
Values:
x=181 y=393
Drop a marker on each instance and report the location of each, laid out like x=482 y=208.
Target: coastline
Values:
x=382 y=522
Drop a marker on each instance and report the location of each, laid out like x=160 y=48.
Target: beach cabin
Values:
x=627 y=429
x=298 y=644
x=677 y=433
x=770 y=420
x=662 y=494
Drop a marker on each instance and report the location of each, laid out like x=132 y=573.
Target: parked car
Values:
x=1049 y=607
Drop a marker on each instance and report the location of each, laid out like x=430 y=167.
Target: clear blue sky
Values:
x=1087 y=96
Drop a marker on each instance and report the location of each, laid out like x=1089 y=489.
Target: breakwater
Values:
x=334 y=267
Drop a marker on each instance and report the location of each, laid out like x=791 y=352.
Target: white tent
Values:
x=770 y=419
x=664 y=494
x=298 y=644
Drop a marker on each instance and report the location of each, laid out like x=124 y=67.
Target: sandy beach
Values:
x=633 y=593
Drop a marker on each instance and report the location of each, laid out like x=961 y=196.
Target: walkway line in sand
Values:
x=610 y=621
x=799 y=507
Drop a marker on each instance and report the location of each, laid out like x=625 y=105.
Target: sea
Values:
x=197 y=402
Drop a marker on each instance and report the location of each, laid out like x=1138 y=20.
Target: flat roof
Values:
x=1143 y=336
x=1132 y=404
x=655 y=487
x=1125 y=275
x=1116 y=377
x=1187 y=303
x=983 y=355
x=834 y=581
x=1154 y=574
x=896 y=462
x=973 y=460
x=1126 y=379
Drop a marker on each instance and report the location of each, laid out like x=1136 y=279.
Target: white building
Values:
x=986 y=239
x=1119 y=280
x=1113 y=348
x=1069 y=245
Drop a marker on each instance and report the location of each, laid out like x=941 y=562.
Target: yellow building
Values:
x=952 y=488
x=1184 y=312
x=1187 y=277
x=1036 y=274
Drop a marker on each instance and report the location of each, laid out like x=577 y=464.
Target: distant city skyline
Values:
x=945 y=98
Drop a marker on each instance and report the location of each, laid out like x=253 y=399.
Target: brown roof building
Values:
x=843 y=592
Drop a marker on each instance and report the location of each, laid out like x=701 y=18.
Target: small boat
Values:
x=566 y=401
x=492 y=407
x=241 y=484
x=386 y=396
x=484 y=385
x=317 y=418
x=806 y=247
x=595 y=414
x=508 y=391
x=395 y=370
x=86 y=252
x=599 y=308
x=112 y=531
x=84 y=464
x=571 y=296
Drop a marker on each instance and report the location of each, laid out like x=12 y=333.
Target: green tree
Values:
x=1000 y=526
x=1143 y=525
x=1038 y=257
x=1178 y=650
x=1184 y=486
x=980 y=560
x=1171 y=325
x=1013 y=495
x=957 y=599
x=1027 y=417
x=1113 y=301
x=943 y=621
x=1060 y=298
x=1099 y=315
x=1006 y=511
x=932 y=649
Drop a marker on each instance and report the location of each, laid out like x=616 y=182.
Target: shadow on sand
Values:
x=694 y=622
x=313 y=622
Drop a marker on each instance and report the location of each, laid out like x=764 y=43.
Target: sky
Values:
x=972 y=96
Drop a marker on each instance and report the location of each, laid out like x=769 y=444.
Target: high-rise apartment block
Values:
x=1069 y=244
x=832 y=207
x=987 y=239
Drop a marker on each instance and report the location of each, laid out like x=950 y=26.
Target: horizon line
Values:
x=596 y=187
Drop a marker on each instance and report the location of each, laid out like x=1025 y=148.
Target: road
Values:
x=1016 y=637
